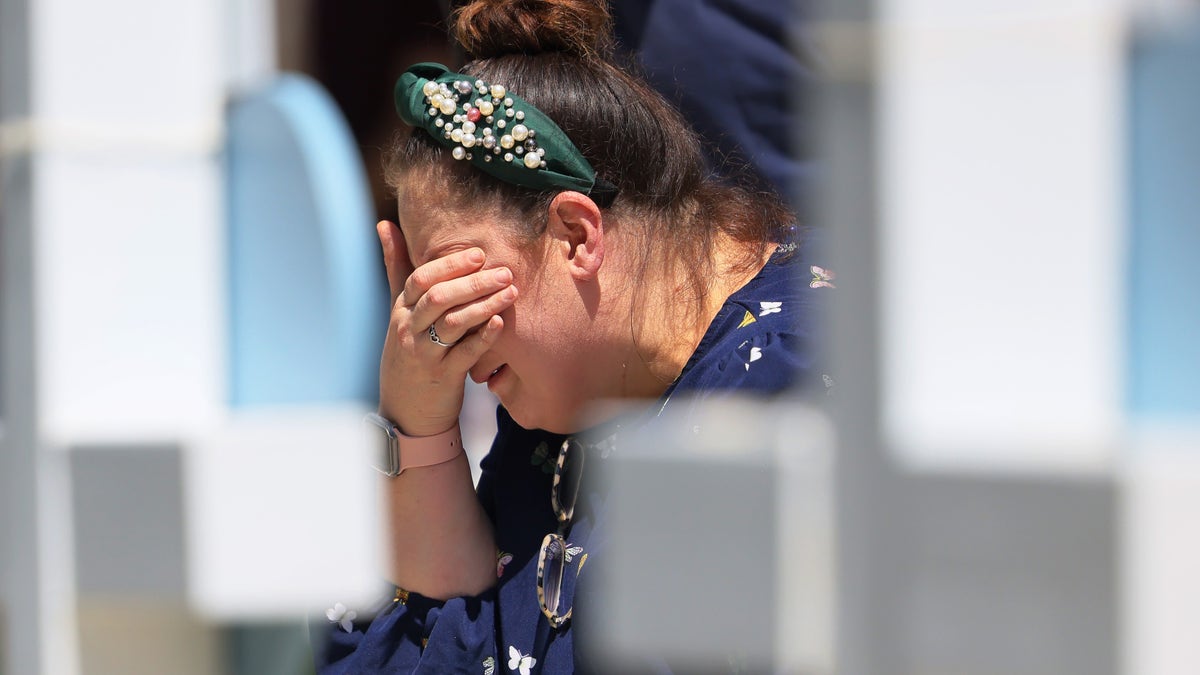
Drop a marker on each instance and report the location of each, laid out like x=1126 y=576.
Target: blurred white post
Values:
x=1160 y=552
x=973 y=158
x=36 y=574
x=113 y=322
x=251 y=52
x=1002 y=232
x=126 y=127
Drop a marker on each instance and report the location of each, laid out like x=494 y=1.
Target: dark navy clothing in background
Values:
x=761 y=341
x=741 y=72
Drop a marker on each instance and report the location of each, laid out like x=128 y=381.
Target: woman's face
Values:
x=557 y=351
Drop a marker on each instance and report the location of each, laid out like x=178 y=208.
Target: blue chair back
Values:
x=307 y=289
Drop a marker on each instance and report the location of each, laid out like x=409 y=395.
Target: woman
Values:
x=558 y=239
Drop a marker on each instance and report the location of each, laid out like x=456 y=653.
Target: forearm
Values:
x=445 y=316
x=440 y=540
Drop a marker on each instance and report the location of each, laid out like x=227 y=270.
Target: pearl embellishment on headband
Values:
x=463 y=108
x=498 y=132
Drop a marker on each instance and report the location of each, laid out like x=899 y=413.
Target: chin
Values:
x=530 y=419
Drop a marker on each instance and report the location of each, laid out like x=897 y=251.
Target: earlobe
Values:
x=578 y=227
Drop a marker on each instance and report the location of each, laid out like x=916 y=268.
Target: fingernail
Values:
x=502 y=275
x=475 y=255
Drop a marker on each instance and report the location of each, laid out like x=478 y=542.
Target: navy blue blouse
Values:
x=761 y=341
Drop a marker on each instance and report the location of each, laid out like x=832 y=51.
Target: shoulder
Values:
x=765 y=338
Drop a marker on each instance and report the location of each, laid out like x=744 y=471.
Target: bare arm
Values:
x=440 y=539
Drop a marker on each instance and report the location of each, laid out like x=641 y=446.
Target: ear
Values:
x=577 y=230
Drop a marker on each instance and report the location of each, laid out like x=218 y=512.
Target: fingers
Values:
x=461 y=321
x=459 y=305
x=423 y=394
x=453 y=294
x=466 y=353
x=395 y=256
x=421 y=384
x=440 y=270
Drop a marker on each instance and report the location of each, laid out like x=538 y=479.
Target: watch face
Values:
x=389 y=462
x=382 y=436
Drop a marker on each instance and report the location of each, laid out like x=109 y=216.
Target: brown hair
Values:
x=558 y=55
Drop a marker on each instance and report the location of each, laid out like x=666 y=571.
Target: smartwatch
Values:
x=400 y=452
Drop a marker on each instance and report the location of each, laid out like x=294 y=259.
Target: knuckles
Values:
x=419 y=281
x=436 y=296
x=479 y=284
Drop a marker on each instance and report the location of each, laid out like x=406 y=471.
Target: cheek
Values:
x=538 y=343
x=548 y=332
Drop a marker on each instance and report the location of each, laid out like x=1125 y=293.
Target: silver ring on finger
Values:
x=433 y=337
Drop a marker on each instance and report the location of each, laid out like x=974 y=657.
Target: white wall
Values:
x=1001 y=206
x=126 y=131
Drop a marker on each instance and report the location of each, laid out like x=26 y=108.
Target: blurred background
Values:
x=192 y=303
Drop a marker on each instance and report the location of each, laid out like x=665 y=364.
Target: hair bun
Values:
x=491 y=28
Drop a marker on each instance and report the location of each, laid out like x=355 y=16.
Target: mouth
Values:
x=497 y=373
x=488 y=376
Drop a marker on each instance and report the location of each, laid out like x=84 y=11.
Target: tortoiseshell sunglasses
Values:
x=556 y=553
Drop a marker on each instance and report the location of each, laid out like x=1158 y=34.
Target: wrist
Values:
x=402 y=451
x=418 y=427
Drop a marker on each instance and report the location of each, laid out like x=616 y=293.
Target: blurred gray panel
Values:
x=20 y=629
x=128 y=511
x=717 y=542
x=1009 y=575
x=14 y=59
x=691 y=570
x=269 y=649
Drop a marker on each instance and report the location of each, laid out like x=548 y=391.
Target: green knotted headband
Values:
x=496 y=130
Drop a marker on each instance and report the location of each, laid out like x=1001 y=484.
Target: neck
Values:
x=666 y=325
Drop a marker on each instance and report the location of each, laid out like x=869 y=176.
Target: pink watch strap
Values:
x=418 y=451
